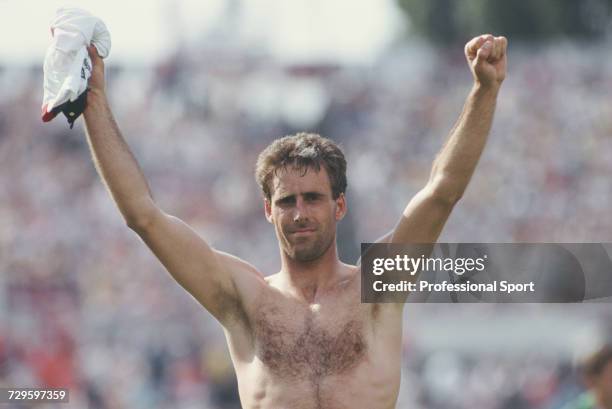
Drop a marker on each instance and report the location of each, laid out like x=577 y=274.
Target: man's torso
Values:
x=335 y=353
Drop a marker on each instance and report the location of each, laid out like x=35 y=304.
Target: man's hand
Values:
x=486 y=56
x=96 y=81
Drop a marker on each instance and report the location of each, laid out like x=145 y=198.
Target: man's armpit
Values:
x=231 y=308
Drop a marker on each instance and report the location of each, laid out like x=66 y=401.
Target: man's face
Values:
x=303 y=212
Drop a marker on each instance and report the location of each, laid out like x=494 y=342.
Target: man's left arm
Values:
x=425 y=215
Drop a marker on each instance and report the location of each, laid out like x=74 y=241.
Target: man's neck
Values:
x=309 y=279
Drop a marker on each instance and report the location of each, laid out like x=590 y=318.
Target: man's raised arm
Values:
x=426 y=214
x=209 y=275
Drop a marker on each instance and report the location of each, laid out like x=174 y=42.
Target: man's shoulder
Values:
x=350 y=271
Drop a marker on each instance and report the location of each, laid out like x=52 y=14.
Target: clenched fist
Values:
x=486 y=56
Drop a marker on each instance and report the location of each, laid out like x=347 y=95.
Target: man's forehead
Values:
x=290 y=180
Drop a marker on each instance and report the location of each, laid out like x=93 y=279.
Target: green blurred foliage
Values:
x=454 y=21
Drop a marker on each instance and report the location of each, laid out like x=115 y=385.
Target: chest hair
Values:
x=297 y=345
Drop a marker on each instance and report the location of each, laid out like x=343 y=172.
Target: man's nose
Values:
x=301 y=211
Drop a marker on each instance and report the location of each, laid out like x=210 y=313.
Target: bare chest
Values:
x=295 y=341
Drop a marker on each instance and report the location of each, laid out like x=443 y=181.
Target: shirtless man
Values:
x=301 y=338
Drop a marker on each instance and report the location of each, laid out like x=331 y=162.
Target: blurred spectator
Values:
x=597 y=372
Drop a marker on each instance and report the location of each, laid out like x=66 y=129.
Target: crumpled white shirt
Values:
x=67 y=65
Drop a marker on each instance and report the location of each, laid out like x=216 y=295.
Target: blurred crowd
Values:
x=85 y=305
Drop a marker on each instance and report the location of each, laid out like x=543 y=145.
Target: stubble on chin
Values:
x=312 y=251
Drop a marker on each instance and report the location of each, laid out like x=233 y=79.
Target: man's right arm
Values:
x=208 y=275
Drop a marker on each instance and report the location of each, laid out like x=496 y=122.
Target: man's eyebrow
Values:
x=291 y=196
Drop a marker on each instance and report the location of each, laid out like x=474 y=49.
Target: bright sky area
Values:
x=351 y=31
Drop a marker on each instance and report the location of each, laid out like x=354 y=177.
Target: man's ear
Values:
x=341 y=208
x=268 y=210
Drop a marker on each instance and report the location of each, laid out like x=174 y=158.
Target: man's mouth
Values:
x=303 y=231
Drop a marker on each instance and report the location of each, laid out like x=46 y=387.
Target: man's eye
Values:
x=286 y=201
x=312 y=198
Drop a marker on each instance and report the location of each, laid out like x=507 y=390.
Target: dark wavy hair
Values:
x=301 y=152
